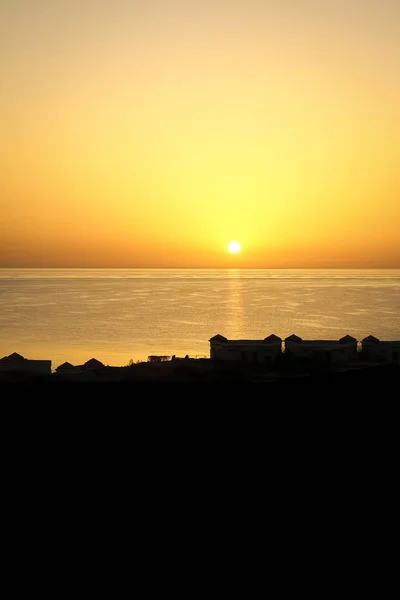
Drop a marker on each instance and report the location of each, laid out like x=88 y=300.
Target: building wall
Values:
x=42 y=367
x=388 y=352
x=248 y=353
x=330 y=350
x=257 y=351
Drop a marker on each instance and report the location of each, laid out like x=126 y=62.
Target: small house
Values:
x=15 y=363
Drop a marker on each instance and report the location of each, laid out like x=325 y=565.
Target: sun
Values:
x=234 y=247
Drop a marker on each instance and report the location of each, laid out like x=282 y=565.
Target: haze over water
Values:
x=118 y=314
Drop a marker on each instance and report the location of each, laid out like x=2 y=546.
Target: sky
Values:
x=151 y=133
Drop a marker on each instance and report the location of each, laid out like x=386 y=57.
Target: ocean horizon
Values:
x=119 y=314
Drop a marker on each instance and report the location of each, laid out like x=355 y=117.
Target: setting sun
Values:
x=153 y=136
x=234 y=247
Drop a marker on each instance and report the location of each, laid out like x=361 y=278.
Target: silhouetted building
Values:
x=375 y=350
x=88 y=367
x=15 y=363
x=334 y=351
x=247 y=351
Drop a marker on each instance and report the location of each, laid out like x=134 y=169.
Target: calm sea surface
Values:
x=118 y=314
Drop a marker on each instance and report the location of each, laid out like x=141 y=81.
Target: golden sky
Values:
x=150 y=133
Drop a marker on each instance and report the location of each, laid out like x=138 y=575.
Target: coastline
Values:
x=360 y=377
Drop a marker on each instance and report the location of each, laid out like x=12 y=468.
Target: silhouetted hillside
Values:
x=363 y=379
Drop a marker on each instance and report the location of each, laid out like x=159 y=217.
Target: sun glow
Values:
x=166 y=128
x=234 y=247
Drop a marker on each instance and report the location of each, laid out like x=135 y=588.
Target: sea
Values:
x=119 y=315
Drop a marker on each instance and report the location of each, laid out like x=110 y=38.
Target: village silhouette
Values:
x=270 y=360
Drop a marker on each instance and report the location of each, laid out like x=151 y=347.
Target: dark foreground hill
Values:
x=363 y=378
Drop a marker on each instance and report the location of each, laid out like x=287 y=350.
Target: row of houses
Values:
x=343 y=351
x=15 y=363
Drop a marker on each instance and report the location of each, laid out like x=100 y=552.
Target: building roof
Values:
x=218 y=338
x=16 y=356
x=65 y=365
x=322 y=343
x=347 y=339
x=272 y=338
x=260 y=343
x=372 y=339
x=93 y=362
x=293 y=338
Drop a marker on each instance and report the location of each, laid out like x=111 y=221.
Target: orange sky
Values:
x=150 y=133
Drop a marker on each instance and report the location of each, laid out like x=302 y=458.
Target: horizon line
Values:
x=212 y=268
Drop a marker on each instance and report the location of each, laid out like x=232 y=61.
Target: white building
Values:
x=247 y=351
x=375 y=350
x=335 y=351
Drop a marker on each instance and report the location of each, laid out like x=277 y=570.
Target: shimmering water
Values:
x=118 y=314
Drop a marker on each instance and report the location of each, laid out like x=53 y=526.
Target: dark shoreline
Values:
x=385 y=376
